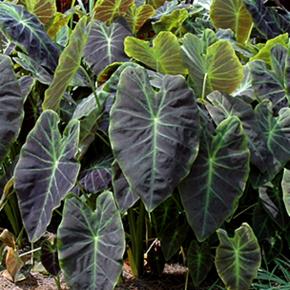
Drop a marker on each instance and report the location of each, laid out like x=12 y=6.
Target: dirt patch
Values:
x=172 y=278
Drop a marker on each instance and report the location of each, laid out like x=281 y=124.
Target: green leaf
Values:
x=171 y=22
x=26 y=31
x=11 y=106
x=238 y=259
x=137 y=16
x=276 y=132
x=217 y=68
x=105 y=45
x=108 y=10
x=199 y=262
x=164 y=56
x=69 y=62
x=234 y=15
x=268 y=21
x=265 y=52
x=274 y=84
x=217 y=179
x=154 y=135
x=91 y=243
x=286 y=189
x=47 y=169
x=222 y=106
x=43 y=9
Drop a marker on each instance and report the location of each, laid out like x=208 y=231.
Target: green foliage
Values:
x=155 y=127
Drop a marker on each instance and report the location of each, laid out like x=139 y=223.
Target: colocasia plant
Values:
x=123 y=122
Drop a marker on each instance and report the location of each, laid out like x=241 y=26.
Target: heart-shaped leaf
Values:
x=232 y=14
x=217 y=179
x=223 y=106
x=154 y=135
x=137 y=16
x=47 y=169
x=11 y=106
x=286 y=189
x=274 y=84
x=238 y=259
x=69 y=63
x=164 y=56
x=276 y=133
x=108 y=10
x=91 y=243
x=43 y=9
x=172 y=22
x=265 y=52
x=105 y=45
x=24 y=29
x=199 y=262
x=214 y=68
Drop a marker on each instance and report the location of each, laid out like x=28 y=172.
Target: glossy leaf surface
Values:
x=11 y=106
x=217 y=179
x=25 y=29
x=47 y=169
x=154 y=135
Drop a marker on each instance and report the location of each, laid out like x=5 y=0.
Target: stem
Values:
x=93 y=87
x=136 y=229
x=91 y=7
x=246 y=209
x=186 y=280
x=203 y=87
x=30 y=252
x=57 y=282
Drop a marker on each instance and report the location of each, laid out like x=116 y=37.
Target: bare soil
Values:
x=172 y=278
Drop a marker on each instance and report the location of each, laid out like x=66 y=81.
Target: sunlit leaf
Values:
x=156 y=129
x=47 y=169
x=108 y=10
x=232 y=14
x=43 y=9
x=136 y=16
x=172 y=22
x=216 y=68
x=164 y=56
x=69 y=63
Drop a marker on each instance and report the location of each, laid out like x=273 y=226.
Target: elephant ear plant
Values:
x=149 y=132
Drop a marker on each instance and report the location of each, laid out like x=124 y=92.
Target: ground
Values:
x=173 y=278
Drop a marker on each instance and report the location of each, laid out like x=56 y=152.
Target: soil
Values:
x=172 y=278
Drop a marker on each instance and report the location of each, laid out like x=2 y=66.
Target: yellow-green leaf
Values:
x=164 y=56
x=137 y=16
x=68 y=65
x=265 y=52
x=108 y=10
x=232 y=14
